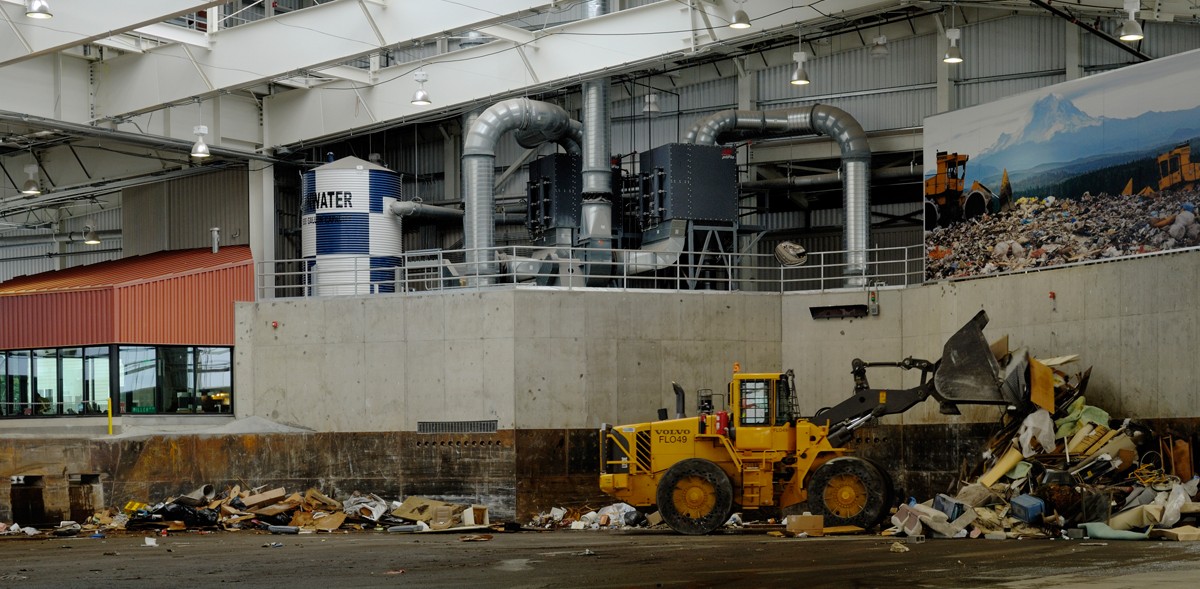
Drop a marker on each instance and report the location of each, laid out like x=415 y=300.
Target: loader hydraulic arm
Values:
x=867 y=403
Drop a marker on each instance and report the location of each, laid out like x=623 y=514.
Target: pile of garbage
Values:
x=1061 y=467
x=1043 y=232
x=611 y=517
x=276 y=511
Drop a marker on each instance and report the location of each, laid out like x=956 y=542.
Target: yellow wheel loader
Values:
x=760 y=454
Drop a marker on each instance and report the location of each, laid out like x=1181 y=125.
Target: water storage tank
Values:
x=350 y=240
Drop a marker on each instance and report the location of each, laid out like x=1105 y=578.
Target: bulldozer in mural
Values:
x=1176 y=170
x=761 y=454
x=946 y=201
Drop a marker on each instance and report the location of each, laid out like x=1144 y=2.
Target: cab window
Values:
x=755 y=402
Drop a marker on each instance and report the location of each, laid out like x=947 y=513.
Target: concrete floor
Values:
x=588 y=558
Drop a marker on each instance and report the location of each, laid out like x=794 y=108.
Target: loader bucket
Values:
x=969 y=374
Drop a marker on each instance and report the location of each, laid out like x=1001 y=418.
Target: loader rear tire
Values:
x=694 y=497
x=849 y=491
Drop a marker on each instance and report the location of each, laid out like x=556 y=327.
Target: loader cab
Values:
x=764 y=409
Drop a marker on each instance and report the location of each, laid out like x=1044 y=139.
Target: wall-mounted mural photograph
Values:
x=1099 y=167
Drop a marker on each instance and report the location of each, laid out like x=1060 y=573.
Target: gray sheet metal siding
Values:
x=713 y=94
x=1162 y=39
x=199 y=203
x=986 y=91
x=177 y=214
x=1011 y=45
x=84 y=254
x=876 y=112
x=35 y=261
x=853 y=71
x=830 y=218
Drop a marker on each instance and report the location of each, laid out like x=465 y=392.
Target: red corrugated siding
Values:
x=127 y=270
x=182 y=297
x=196 y=309
x=55 y=319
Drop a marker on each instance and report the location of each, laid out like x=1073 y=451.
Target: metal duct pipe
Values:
x=570 y=140
x=409 y=208
x=478 y=167
x=831 y=178
x=826 y=120
x=71 y=237
x=597 y=130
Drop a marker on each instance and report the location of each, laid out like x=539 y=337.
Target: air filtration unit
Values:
x=350 y=240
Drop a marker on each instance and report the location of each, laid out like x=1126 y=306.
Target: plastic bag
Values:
x=1175 y=501
x=1037 y=425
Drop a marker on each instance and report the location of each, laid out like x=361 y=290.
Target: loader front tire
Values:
x=694 y=497
x=849 y=491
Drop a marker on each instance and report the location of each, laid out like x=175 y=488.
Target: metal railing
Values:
x=580 y=268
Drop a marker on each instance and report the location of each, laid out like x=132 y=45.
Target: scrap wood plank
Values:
x=274 y=509
x=1041 y=385
x=264 y=498
x=837 y=530
x=316 y=498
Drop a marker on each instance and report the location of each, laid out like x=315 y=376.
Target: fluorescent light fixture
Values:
x=39 y=9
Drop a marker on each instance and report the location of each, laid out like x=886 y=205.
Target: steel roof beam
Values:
x=560 y=56
x=304 y=40
x=77 y=22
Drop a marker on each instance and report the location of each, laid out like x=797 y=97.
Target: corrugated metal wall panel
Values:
x=198 y=203
x=1162 y=39
x=25 y=260
x=193 y=309
x=143 y=215
x=854 y=71
x=980 y=93
x=81 y=253
x=53 y=319
x=177 y=214
x=713 y=94
x=877 y=112
x=1012 y=45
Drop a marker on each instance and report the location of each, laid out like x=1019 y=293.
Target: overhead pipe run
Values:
x=535 y=122
x=831 y=178
x=834 y=122
x=70 y=237
x=412 y=208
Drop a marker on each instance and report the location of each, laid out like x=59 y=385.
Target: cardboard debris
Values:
x=813 y=525
x=1180 y=534
x=419 y=509
x=264 y=498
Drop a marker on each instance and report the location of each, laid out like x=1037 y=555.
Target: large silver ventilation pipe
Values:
x=597 y=130
x=832 y=178
x=410 y=208
x=826 y=120
x=535 y=122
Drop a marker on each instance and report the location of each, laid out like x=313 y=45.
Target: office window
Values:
x=139 y=379
x=71 y=363
x=97 y=381
x=214 y=375
x=16 y=394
